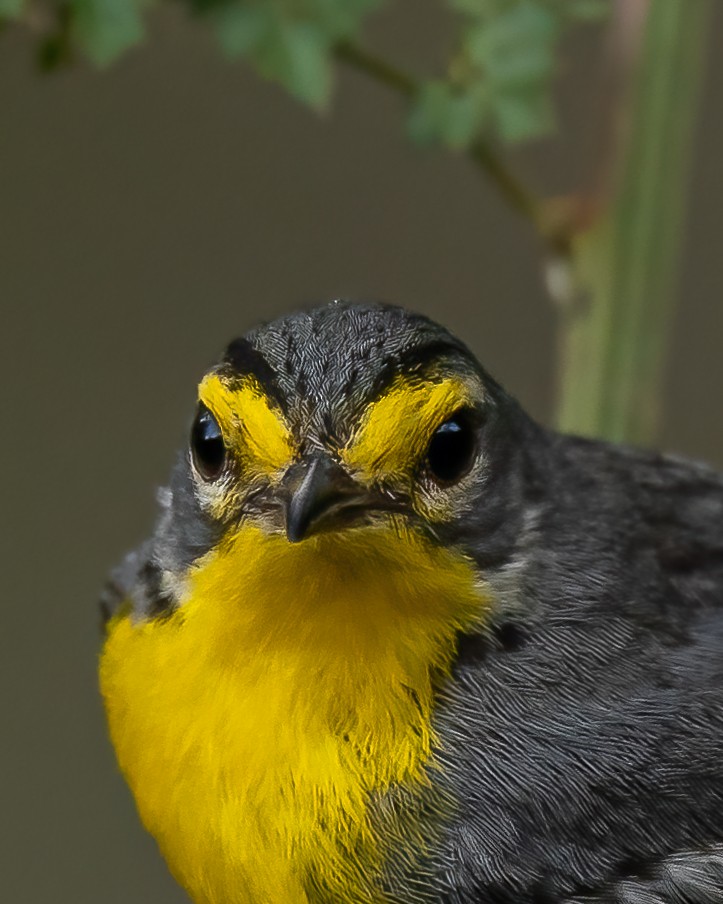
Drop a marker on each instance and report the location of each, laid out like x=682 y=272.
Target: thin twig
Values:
x=377 y=68
x=508 y=184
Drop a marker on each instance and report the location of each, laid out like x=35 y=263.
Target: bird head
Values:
x=345 y=419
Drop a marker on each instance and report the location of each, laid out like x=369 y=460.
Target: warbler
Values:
x=393 y=641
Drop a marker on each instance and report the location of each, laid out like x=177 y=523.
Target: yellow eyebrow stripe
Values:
x=396 y=429
x=251 y=427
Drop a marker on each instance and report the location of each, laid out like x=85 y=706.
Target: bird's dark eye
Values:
x=207 y=445
x=452 y=448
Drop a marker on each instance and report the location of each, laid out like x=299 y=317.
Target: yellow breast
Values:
x=294 y=680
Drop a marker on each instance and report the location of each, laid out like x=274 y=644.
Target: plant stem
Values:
x=481 y=153
x=377 y=68
x=614 y=341
x=512 y=189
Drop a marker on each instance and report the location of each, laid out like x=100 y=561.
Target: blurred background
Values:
x=151 y=212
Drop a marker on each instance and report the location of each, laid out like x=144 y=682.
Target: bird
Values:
x=392 y=641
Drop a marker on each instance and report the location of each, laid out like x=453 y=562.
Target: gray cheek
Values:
x=185 y=531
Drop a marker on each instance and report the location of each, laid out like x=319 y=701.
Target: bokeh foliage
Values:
x=498 y=79
x=610 y=249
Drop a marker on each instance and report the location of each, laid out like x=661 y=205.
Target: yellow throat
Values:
x=294 y=680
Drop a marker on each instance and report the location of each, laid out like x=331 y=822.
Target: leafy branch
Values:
x=610 y=253
x=497 y=88
x=498 y=84
x=511 y=188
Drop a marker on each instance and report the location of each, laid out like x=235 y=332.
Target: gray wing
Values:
x=690 y=877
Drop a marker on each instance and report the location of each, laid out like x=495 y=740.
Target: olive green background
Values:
x=148 y=215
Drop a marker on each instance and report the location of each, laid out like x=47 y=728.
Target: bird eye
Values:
x=452 y=448
x=207 y=445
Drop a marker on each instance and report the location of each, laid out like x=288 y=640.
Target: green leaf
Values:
x=288 y=41
x=241 y=29
x=522 y=116
x=309 y=72
x=589 y=10
x=340 y=19
x=11 y=9
x=467 y=7
x=444 y=115
x=466 y=113
x=521 y=39
x=425 y=125
x=511 y=48
x=522 y=69
x=299 y=56
x=511 y=57
x=106 y=28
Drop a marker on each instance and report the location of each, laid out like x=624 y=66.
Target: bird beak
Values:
x=322 y=496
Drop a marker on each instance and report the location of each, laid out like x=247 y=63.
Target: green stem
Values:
x=508 y=184
x=613 y=343
x=376 y=68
